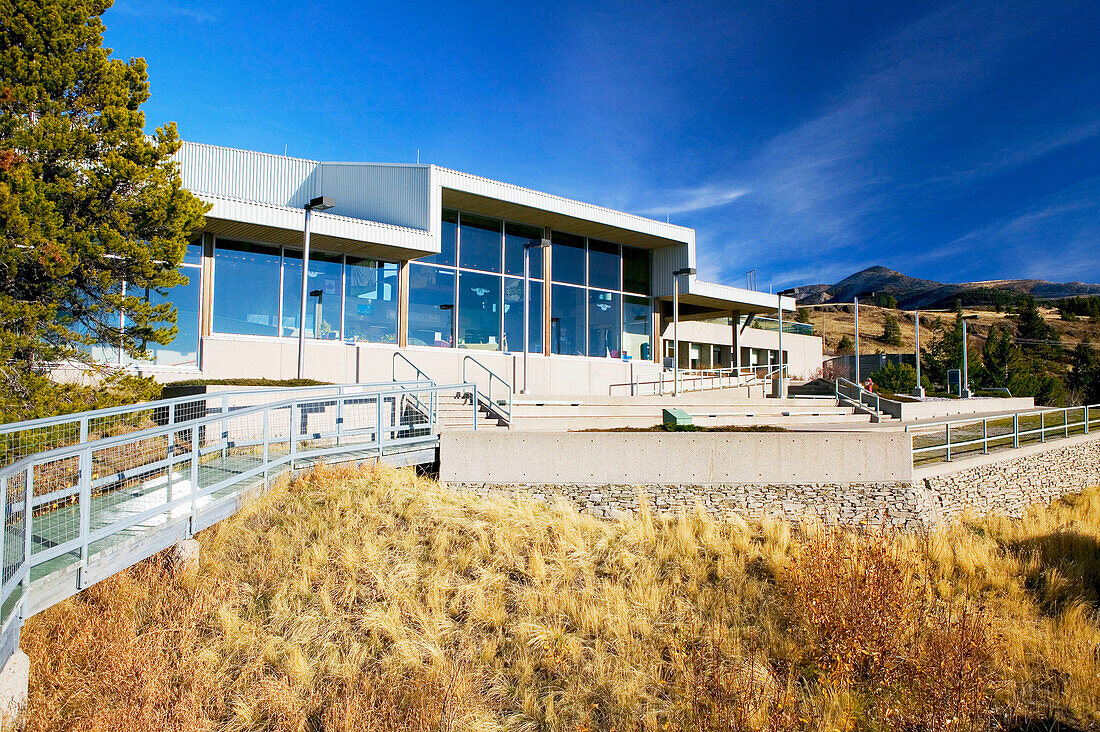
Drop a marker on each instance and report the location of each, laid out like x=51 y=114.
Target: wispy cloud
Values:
x=695 y=199
x=166 y=9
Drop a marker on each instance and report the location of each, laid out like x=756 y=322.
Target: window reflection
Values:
x=604 y=323
x=246 y=288
x=513 y=316
x=479 y=311
x=183 y=350
x=636 y=270
x=518 y=237
x=448 y=246
x=567 y=321
x=567 y=258
x=324 y=293
x=431 y=306
x=637 y=326
x=479 y=243
x=370 y=303
x=603 y=264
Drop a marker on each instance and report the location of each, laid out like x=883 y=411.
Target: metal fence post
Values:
x=85 y=472
x=474 y=403
x=1086 y=419
x=225 y=425
x=1065 y=419
x=1042 y=426
x=947 y=434
x=1016 y=430
x=267 y=443
x=985 y=436
x=339 y=417
x=378 y=424
x=194 y=477
x=3 y=529
x=28 y=531
x=293 y=433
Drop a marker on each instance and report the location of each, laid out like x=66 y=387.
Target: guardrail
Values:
x=854 y=393
x=19 y=439
x=78 y=513
x=942 y=441
x=501 y=408
x=701 y=380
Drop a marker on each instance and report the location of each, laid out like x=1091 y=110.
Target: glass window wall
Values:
x=567 y=320
x=604 y=323
x=518 y=237
x=567 y=258
x=324 y=292
x=479 y=243
x=479 y=310
x=448 y=242
x=431 y=306
x=246 y=288
x=637 y=327
x=513 y=316
x=636 y=270
x=603 y=264
x=370 y=301
x=183 y=350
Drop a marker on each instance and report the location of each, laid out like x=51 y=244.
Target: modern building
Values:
x=431 y=263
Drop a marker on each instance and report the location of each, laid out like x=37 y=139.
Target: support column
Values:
x=547 y=255
x=736 y=360
x=403 y=304
x=206 y=322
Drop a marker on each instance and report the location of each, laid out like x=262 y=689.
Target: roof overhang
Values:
x=709 y=298
x=238 y=219
x=494 y=198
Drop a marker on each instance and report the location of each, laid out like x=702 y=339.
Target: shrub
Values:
x=899 y=378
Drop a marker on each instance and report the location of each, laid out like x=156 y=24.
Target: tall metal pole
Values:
x=855 y=300
x=675 y=335
x=526 y=309
x=965 y=390
x=918 y=391
x=782 y=381
x=305 y=290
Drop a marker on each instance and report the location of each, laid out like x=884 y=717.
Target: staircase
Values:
x=453 y=413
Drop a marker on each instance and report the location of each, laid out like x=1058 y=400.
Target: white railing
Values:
x=855 y=394
x=944 y=440
x=81 y=512
x=700 y=380
x=501 y=407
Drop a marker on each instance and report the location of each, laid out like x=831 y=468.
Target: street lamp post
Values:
x=527 y=247
x=782 y=372
x=676 y=326
x=965 y=391
x=320 y=203
x=855 y=301
x=918 y=391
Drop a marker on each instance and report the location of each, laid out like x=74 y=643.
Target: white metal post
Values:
x=965 y=391
x=675 y=335
x=305 y=291
x=85 y=468
x=855 y=301
x=782 y=372
x=919 y=390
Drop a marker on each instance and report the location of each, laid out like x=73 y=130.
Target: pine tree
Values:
x=846 y=345
x=891 y=331
x=87 y=200
x=1034 y=333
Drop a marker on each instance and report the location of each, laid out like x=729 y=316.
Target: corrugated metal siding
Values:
x=666 y=261
x=391 y=194
x=248 y=175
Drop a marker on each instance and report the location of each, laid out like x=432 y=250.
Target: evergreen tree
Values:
x=891 y=331
x=803 y=315
x=1034 y=334
x=1084 y=376
x=87 y=201
x=846 y=345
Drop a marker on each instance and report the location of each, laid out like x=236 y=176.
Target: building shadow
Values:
x=1075 y=559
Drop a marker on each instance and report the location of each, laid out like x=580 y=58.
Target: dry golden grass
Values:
x=377 y=600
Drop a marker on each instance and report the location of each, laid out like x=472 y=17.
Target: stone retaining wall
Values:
x=896 y=505
x=1008 y=482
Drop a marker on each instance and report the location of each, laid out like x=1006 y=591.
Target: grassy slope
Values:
x=378 y=601
x=836 y=324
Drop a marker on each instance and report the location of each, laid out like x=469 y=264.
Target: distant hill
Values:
x=912 y=292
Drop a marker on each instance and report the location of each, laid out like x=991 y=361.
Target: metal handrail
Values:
x=699 y=379
x=419 y=373
x=119 y=485
x=1090 y=415
x=75 y=428
x=501 y=410
x=861 y=397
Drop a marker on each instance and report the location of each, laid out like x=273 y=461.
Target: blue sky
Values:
x=950 y=140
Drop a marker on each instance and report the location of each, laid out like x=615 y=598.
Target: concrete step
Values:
x=541 y=424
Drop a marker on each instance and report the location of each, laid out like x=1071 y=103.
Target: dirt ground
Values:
x=833 y=322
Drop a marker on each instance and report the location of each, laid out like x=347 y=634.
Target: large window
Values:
x=604 y=323
x=370 y=301
x=567 y=321
x=603 y=264
x=431 y=306
x=517 y=239
x=246 y=288
x=479 y=243
x=448 y=245
x=324 y=294
x=513 y=316
x=183 y=350
x=636 y=270
x=567 y=258
x=637 y=326
x=478 y=310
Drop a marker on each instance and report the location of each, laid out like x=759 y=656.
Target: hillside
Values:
x=378 y=600
x=913 y=293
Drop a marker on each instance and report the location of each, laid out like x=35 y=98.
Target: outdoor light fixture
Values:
x=320 y=203
x=676 y=326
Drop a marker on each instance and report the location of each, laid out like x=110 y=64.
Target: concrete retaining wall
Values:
x=851 y=478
